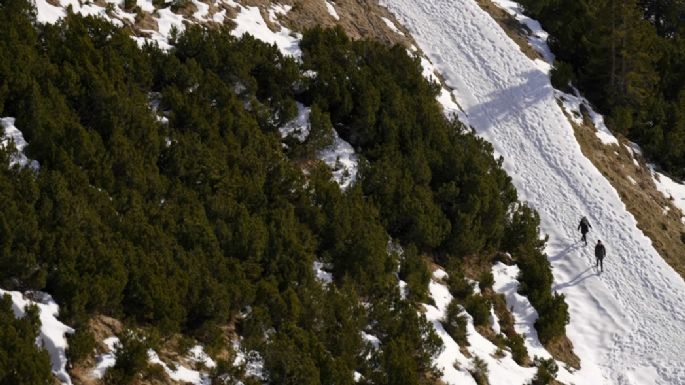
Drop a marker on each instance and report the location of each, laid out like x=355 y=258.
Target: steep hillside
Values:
x=305 y=210
x=627 y=318
x=279 y=200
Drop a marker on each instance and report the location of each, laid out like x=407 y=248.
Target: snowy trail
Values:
x=627 y=324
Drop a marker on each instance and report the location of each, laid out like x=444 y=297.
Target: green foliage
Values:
x=519 y=352
x=628 y=58
x=561 y=75
x=535 y=273
x=21 y=361
x=436 y=184
x=479 y=371
x=81 y=345
x=320 y=132
x=547 y=371
x=415 y=272
x=455 y=323
x=459 y=286
x=479 y=308
x=183 y=223
x=553 y=318
x=131 y=359
x=486 y=280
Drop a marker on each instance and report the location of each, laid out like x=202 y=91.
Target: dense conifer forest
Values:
x=628 y=57
x=167 y=198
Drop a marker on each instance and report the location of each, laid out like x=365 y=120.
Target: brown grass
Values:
x=615 y=162
x=101 y=327
x=359 y=19
x=170 y=350
x=562 y=350
x=516 y=31
x=642 y=199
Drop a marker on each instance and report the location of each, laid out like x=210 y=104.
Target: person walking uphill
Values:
x=600 y=253
x=584 y=227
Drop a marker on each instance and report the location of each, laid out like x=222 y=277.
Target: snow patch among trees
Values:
x=52 y=331
x=12 y=134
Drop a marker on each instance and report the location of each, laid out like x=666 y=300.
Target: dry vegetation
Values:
x=642 y=199
x=636 y=187
x=170 y=349
x=516 y=31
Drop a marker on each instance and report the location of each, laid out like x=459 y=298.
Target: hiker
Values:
x=600 y=253
x=584 y=227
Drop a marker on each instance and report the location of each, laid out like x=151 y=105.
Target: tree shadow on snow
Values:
x=535 y=86
x=565 y=252
x=577 y=279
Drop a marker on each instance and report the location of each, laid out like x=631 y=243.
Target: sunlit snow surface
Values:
x=392 y=26
x=627 y=324
x=452 y=362
x=105 y=360
x=671 y=189
x=250 y=21
x=331 y=10
x=52 y=332
x=179 y=373
x=11 y=133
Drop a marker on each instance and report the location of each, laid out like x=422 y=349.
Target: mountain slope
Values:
x=627 y=324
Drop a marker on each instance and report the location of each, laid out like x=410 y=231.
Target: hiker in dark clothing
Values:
x=600 y=253
x=584 y=227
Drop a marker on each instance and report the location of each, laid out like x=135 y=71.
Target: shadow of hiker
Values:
x=577 y=279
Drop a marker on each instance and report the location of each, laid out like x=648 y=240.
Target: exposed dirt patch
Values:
x=516 y=31
x=187 y=9
x=145 y=21
x=562 y=350
x=101 y=327
x=636 y=187
x=359 y=18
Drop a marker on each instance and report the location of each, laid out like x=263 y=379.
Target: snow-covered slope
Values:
x=628 y=323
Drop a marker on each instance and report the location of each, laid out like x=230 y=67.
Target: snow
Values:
x=11 y=133
x=402 y=285
x=494 y=321
x=249 y=20
x=202 y=10
x=252 y=361
x=146 y=5
x=48 y=13
x=180 y=373
x=341 y=158
x=219 y=16
x=446 y=98
x=357 y=376
x=298 y=127
x=524 y=313
x=392 y=26
x=373 y=340
x=671 y=189
x=331 y=10
x=538 y=36
x=322 y=275
x=106 y=360
x=627 y=324
x=52 y=332
x=452 y=362
x=572 y=105
x=197 y=354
